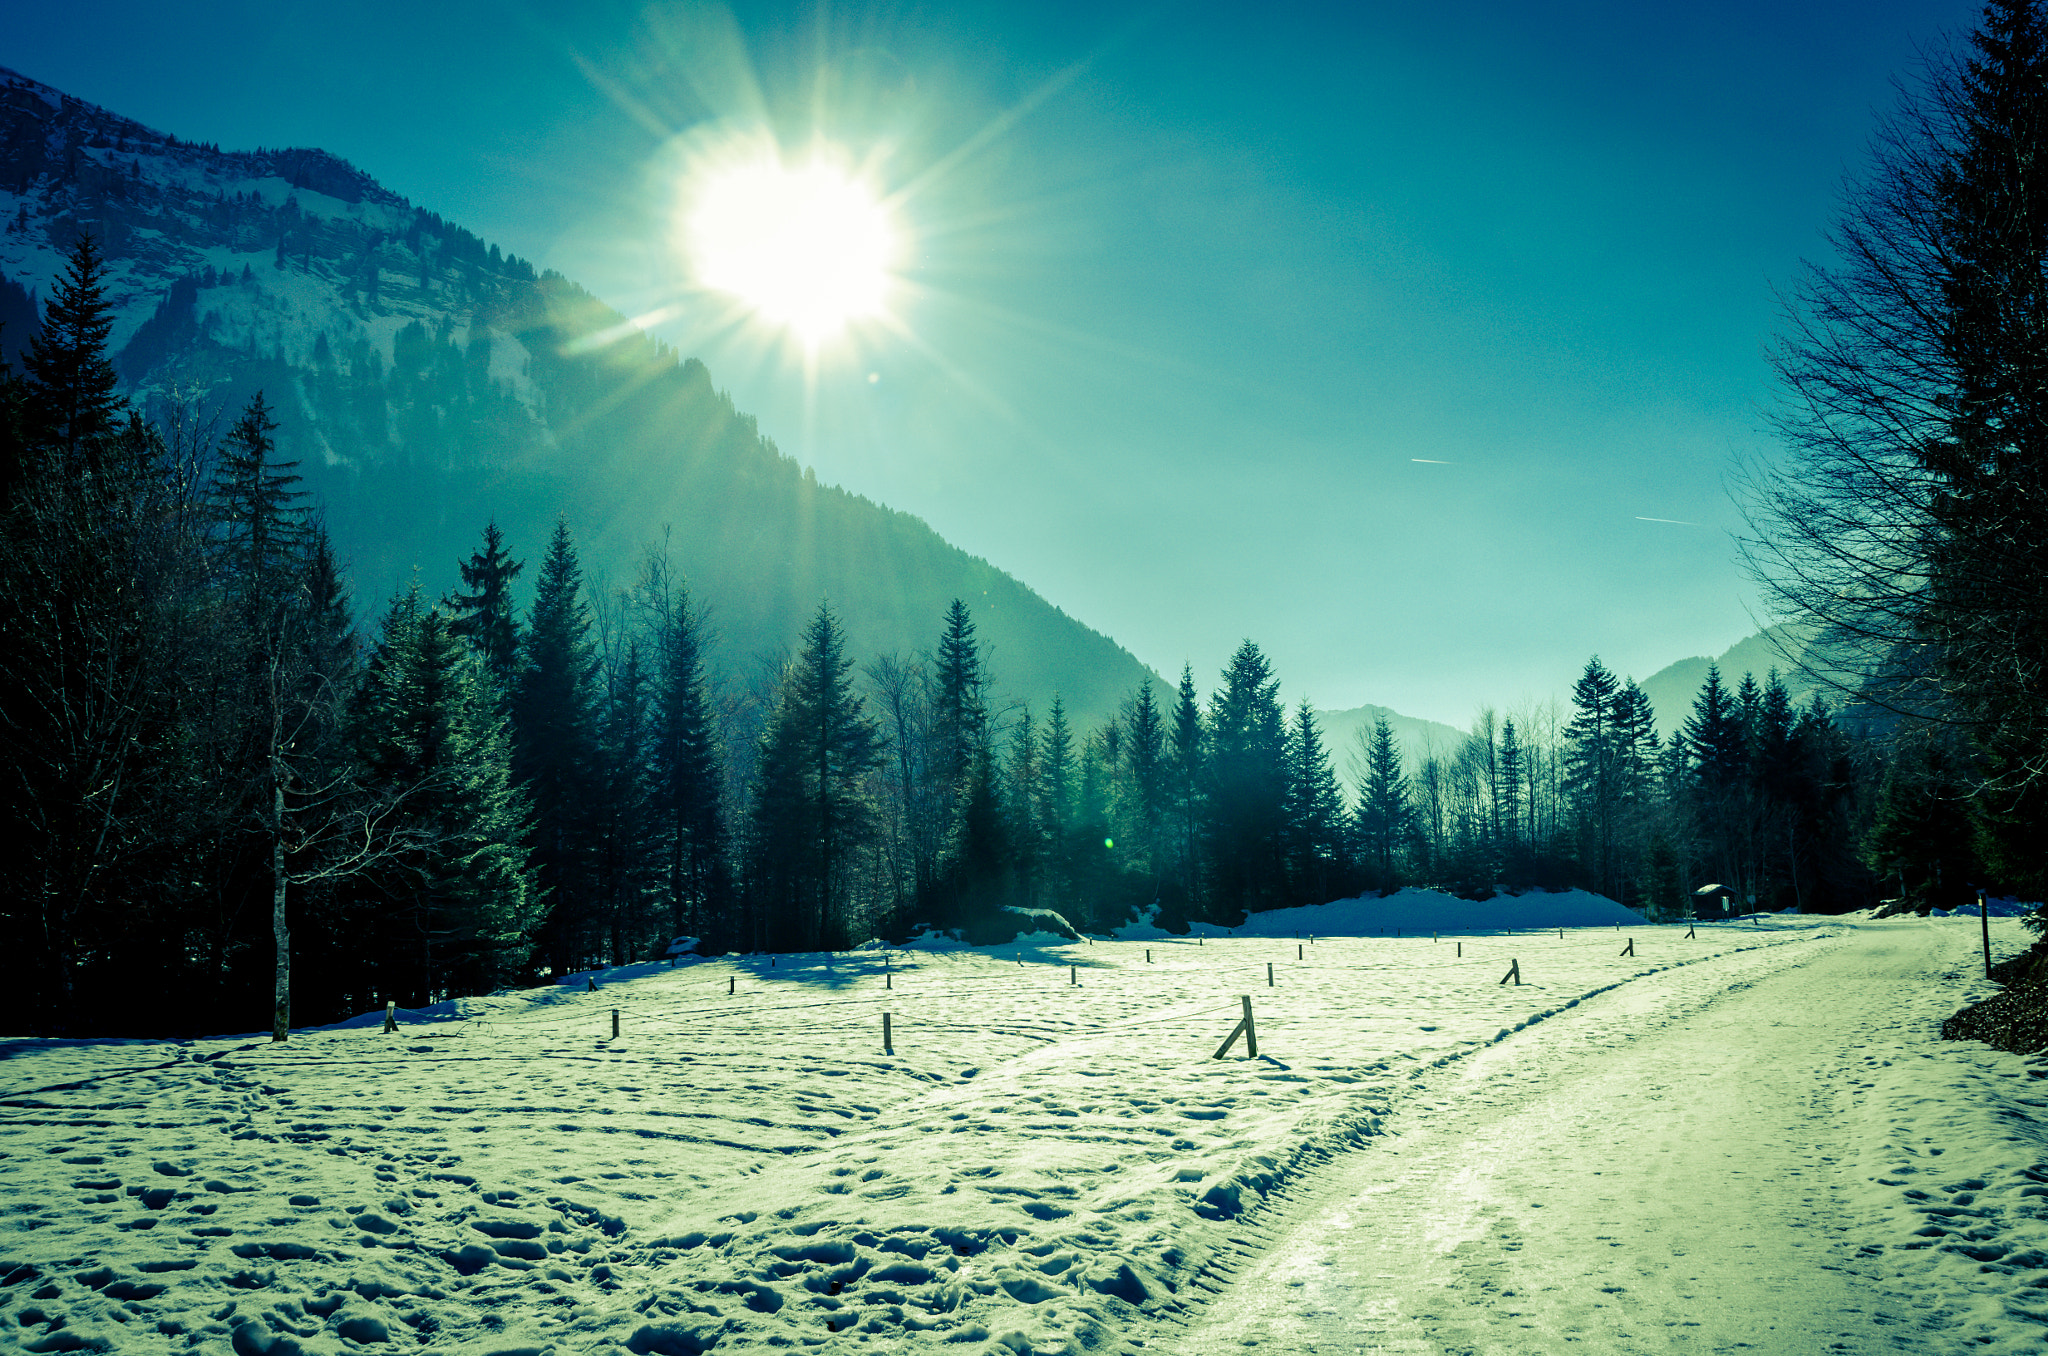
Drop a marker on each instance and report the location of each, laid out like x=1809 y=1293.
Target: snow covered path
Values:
x=1691 y=1163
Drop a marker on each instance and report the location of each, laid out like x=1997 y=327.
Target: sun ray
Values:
x=808 y=246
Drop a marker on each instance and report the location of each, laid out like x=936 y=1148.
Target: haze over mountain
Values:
x=427 y=384
x=1672 y=688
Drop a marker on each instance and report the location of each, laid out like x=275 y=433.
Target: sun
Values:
x=808 y=247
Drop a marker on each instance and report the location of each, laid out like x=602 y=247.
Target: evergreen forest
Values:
x=242 y=796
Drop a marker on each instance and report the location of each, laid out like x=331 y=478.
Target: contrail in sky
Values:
x=1433 y=461
x=1680 y=521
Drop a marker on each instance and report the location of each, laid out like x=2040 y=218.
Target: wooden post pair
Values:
x=1244 y=1028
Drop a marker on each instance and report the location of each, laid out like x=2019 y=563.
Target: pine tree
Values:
x=1143 y=788
x=1988 y=552
x=1642 y=810
x=1187 y=775
x=329 y=817
x=483 y=616
x=1055 y=802
x=688 y=764
x=1717 y=752
x=1714 y=737
x=263 y=531
x=450 y=910
x=1636 y=742
x=959 y=705
x=1247 y=787
x=103 y=620
x=1595 y=769
x=977 y=851
x=15 y=445
x=74 y=408
x=810 y=812
x=1384 y=817
x=1911 y=521
x=1056 y=770
x=625 y=825
x=980 y=855
x=555 y=749
x=1021 y=806
x=1096 y=895
x=1922 y=840
x=1315 y=813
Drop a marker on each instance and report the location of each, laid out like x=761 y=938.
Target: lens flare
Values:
x=809 y=247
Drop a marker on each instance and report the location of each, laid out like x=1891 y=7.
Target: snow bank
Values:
x=2001 y=907
x=1409 y=912
x=1046 y=1159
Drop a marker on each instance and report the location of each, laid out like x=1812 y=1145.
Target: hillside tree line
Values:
x=239 y=798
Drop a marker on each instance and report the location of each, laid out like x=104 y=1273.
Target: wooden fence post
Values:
x=1269 y=974
x=888 y=980
x=1984 y=918
x=391 y=1014
x=731 y=983
x=1148 y=955
x=1074 y=975
x=1630 y=949
x=1691 y=930
x=1461 y=950
x=1243 y=1028
x=1514 y=973
x=615 y=1023
x=1297 y=951
x=888 y=1041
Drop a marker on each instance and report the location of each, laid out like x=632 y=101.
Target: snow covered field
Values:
x=1042 y=1165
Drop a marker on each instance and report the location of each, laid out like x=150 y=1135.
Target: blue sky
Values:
x=1197 y=285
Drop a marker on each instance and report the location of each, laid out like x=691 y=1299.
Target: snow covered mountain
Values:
x=428 y=383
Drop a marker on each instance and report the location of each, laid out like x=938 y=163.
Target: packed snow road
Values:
x=1691 y=1163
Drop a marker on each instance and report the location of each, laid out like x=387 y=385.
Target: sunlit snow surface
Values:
x=1042 y=1165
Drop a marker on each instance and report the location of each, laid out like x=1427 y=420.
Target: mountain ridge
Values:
x=428 y=383
x=1672 y=688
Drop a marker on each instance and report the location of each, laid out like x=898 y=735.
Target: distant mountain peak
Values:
x=428 y=382
x=45 y=127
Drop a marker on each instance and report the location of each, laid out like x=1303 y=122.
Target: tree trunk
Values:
x=281 y=1019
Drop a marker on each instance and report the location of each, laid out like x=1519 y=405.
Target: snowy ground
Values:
x=1769 y=1152
x=1040 y=1166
